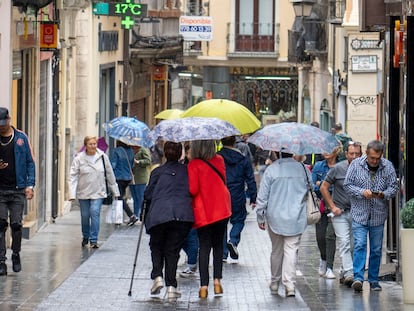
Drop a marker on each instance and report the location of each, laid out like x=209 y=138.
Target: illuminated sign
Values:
x=128 y=10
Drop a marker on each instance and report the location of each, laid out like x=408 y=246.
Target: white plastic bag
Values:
x=118 y=211
x=115 y=214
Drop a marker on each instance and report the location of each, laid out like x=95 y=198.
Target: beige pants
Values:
x=283 y=258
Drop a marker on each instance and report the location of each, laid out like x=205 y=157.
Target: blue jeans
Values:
x=237 y=220
x=137 y=193
x=360 y=233
x=190 y=247
x=90 y=218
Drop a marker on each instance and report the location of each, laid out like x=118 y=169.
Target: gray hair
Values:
x=203 y=149
x=375 y=145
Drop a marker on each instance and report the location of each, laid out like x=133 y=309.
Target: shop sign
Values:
x=364 y=63
x=48 y=36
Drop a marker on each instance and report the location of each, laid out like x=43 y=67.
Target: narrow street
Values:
x=59 y=275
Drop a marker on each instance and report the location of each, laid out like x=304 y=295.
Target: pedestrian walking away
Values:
x=190 y=246
x=141 y=171
x=340 y=206
x=239 y=172
x=169 y=219
x=370 y=182
x=87 y=183
x=17 y=181
x=207 y=175
x=281 y=209
x=122 y=160
x=325 y=234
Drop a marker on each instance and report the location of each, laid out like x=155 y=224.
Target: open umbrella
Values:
x=169 y=114
x=128 y=130
x=187 y=129
x=295 y=138
x=234 y=113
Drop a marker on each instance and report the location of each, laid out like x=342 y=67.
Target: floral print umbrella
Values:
x=187 y=129
x=295 y=138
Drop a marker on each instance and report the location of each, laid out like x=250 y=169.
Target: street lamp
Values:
x=303 y=8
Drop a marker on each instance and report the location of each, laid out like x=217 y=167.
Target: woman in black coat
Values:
x=169 y=218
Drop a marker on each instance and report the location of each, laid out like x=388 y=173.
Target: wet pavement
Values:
x=59 y=275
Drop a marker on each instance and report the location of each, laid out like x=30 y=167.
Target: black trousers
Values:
x=211 y=237
x=166 y=242
x=122 y=185
x=326 y=239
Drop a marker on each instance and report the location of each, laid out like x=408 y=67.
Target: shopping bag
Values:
x=312 y=208
x=117 y=212
x=108 y=213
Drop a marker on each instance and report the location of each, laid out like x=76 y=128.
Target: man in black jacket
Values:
x=239 y=172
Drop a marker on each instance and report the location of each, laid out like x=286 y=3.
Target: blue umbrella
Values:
x=187 y=129
x=128 y=130
x=295 y=138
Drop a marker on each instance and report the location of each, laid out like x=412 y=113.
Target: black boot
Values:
x=3 y=268
x=17 y=267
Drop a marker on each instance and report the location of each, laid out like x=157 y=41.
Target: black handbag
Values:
x=108 y=200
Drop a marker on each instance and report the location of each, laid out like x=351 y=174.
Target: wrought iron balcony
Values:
x=253 y=39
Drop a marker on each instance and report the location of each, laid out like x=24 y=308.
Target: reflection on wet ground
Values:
x=47 y=260
x=54 y=278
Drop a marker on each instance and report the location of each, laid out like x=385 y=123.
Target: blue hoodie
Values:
x=239 y=171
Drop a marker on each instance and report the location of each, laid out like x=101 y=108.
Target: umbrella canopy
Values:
x=295 y=138
x=128 y=130
x=234 y=113
x=187 y=129
x=169 y=114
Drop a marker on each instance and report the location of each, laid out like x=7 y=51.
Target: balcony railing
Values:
x=258 y=39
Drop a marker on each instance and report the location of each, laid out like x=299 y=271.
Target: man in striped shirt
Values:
x=370 y=181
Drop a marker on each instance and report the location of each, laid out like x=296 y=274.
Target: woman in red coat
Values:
x=212 y=209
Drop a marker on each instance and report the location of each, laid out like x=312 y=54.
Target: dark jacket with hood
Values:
x=167 y=195
x=239 y=171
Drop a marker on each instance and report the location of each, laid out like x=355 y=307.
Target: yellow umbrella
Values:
x=169 y=114
x=234 y=113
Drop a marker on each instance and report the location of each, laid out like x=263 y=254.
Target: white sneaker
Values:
x=322 y=267
x=187 y=272
x=274 y=287
x=329 y=274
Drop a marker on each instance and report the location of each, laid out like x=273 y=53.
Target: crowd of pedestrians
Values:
x=194 y=197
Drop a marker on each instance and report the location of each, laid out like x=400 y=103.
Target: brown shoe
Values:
x=203 y=293
x=218 y=290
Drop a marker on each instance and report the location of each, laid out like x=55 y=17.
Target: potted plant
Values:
x=407 y=242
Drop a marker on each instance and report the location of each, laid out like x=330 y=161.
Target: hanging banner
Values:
x=48 y=36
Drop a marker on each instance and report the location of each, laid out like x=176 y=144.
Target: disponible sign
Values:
x=196 y=28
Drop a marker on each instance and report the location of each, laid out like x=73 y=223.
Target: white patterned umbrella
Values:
x=296 y=138
x=187 y=129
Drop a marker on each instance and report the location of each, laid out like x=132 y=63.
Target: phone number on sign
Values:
x=195 y=28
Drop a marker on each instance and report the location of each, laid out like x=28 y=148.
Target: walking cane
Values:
x=139 y=242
